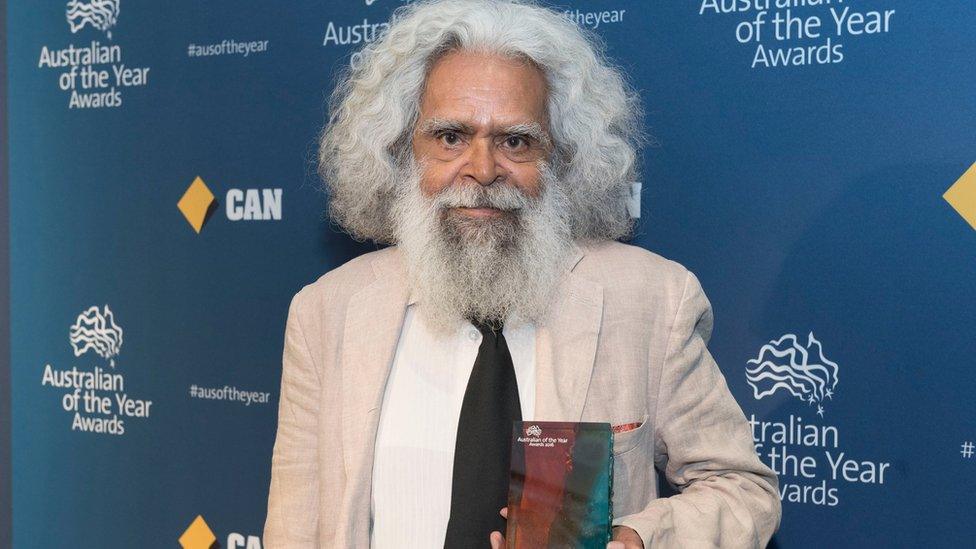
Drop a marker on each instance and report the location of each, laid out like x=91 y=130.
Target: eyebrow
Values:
x=433 y=126
x=532 y=130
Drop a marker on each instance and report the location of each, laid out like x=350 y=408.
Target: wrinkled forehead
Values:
x=484 y=91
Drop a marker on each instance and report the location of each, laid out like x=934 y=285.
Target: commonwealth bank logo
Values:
x=96 y=331
x=197 y=204
x=802 y=371
x=962 y=196
x=198 y=535
x=100 y=14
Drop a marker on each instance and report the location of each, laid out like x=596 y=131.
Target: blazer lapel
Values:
x=567 y=348
x=373 y=321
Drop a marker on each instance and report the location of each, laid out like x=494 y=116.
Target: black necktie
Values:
x=483 y=448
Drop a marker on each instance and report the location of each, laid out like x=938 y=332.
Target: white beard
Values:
x=495 y=270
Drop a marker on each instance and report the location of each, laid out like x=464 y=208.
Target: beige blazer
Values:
x=625 y=343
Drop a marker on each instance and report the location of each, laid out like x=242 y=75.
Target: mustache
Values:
x=499 y=196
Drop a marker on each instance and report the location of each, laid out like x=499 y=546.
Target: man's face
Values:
x=482 y=122
x=482 y=224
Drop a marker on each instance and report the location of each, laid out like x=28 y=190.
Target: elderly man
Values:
x=492 y=145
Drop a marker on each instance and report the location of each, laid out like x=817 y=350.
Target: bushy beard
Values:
x=491 y=269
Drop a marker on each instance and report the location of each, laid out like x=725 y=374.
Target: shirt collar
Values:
x=414 y=297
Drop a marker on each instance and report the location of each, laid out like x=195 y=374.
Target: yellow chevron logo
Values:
x=962 y=196
x=198 y=535
x=197 y=204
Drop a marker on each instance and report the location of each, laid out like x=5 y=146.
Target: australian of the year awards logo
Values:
x=798 y=33
x=93 y=74
x=100 y=14
x=800 y=370
x=808 y=456
x=93 y=391
x=96 y=331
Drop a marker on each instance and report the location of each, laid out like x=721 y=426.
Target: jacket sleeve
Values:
x=293 y=501
x=703 y=444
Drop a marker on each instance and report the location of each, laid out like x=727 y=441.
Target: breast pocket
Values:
x=629 y=439
x=633 y=469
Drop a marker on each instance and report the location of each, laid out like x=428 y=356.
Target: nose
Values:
x=481 y=165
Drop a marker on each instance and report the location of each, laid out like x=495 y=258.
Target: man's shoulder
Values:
x=615 y=263
x=335 y=287
x=636 y=281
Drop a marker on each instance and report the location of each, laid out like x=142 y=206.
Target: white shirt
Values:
x=414 y=453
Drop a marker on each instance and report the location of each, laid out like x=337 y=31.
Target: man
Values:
x=492 y=145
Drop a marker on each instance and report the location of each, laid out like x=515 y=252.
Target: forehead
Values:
x=484 y=89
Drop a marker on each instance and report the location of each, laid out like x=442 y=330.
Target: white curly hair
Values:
x=365 y=147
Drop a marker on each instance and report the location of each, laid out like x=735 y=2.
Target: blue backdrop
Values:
x=803 y=158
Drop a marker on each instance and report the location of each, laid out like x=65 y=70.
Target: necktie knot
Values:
x=489 y=328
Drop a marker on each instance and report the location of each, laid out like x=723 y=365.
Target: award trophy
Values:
x=560 y=486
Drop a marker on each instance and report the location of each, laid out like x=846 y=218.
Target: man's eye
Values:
x=515 y=142
x=450 y=138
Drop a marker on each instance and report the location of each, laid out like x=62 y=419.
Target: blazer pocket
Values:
x=628 y=440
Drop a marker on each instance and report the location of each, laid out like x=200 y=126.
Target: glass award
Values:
x=560 y=485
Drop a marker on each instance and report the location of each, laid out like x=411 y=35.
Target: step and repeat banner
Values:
x=812 y=161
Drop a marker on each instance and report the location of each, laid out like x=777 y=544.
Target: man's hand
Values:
x=623 y=537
